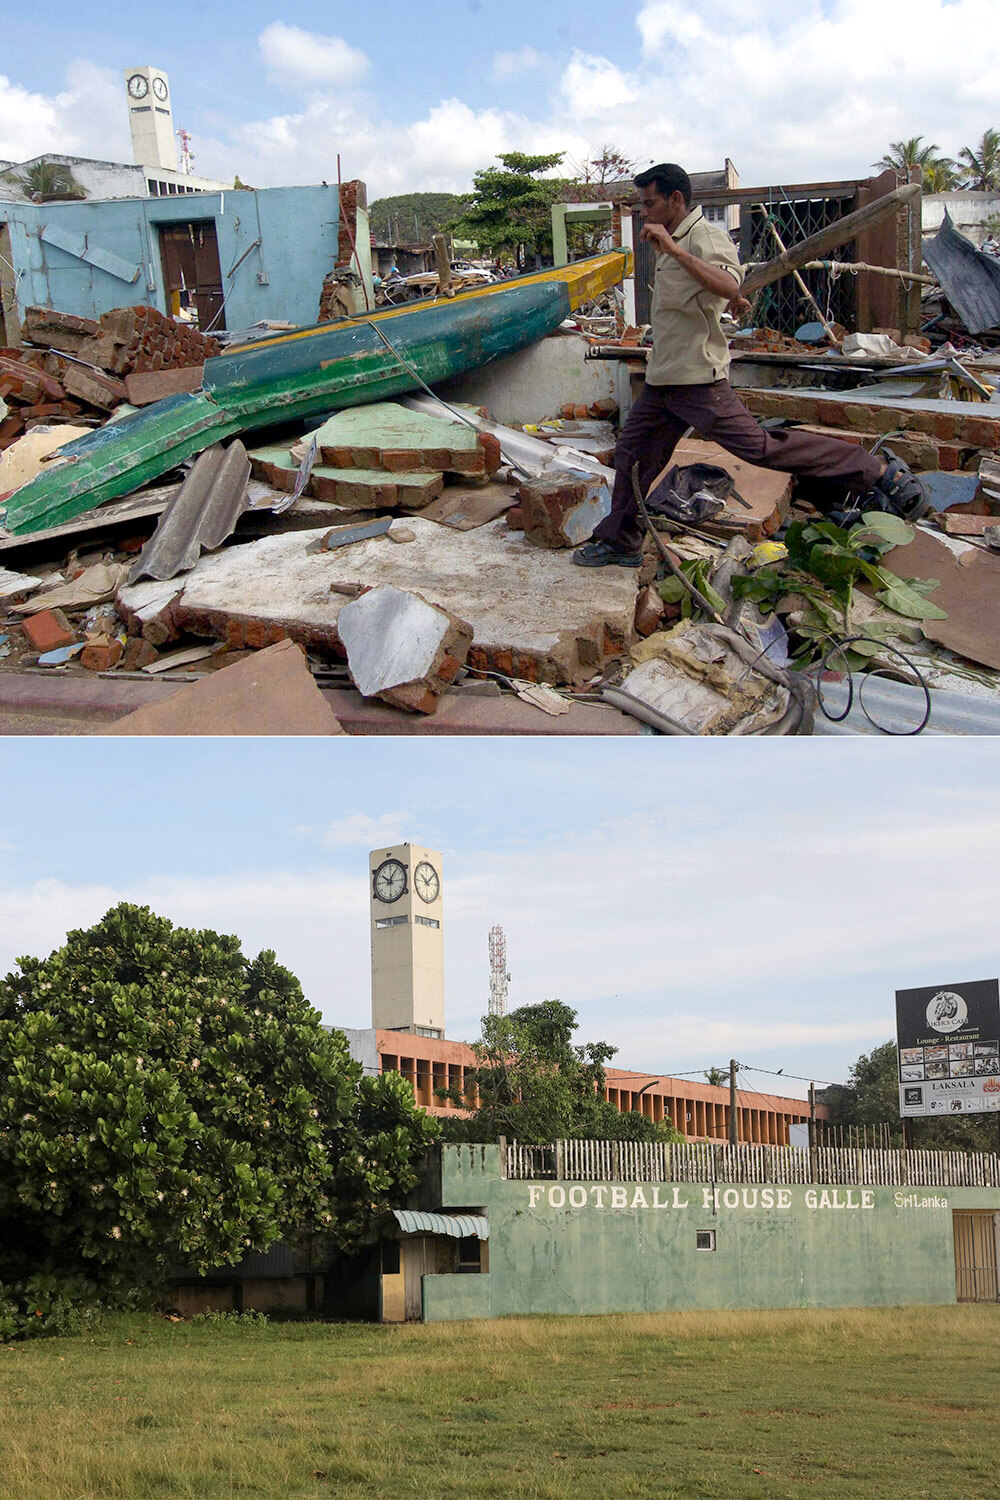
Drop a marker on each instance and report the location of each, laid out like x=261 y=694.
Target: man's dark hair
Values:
x=669 y=178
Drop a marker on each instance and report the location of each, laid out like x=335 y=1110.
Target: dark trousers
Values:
x=663 y=413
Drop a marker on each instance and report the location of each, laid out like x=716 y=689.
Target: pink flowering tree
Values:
x=165 y=1100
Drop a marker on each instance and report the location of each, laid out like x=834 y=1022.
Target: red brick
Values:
x=48 y=630
x=101 y=656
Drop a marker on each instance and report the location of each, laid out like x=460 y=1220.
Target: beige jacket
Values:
x=689 y=346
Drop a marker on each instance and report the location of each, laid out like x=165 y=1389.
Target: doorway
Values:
x=976 y=1234
x=192 y=274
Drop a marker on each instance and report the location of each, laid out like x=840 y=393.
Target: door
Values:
x=976 y=1232
x=414 y=1266
x=192 y=275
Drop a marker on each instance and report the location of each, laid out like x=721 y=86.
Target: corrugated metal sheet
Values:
x=200 y=516
x=898 y=707
x=458 y=1226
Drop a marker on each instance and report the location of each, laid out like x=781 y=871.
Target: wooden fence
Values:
x=839 y=1166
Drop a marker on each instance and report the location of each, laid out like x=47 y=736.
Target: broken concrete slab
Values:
x=388 y=436
x=535 y=615
x=562 y=511
x=355 y=489
x=153 y=385
x=27 y=456
x=969 y=579
x=16 y=585
x=272 y=692
x=401 y=648
x=767 y=492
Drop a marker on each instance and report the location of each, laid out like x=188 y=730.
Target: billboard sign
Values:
x=949 y=1048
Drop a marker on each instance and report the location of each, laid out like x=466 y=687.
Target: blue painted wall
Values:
x=297 y=227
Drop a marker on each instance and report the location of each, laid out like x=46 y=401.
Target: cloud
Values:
x=811 y=89
x=7 y=848
x=512 y=64
x=369 y=833
x=309 y=58
x=86 y=118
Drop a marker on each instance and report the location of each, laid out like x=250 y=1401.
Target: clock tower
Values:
x=407 y=940
x=150 y=118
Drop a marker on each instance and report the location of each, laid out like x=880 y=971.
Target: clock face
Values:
x=389 y=882
x=159 y=88
x=425 y=879
x=138 y=86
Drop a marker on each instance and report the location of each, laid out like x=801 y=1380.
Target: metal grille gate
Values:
x=976 y=1235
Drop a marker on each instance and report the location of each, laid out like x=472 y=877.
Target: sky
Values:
x=692 y=902
x=418 y=97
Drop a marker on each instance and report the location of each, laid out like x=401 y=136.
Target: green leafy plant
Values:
x=825 y=565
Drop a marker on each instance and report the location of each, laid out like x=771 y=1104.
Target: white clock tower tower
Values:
x=407 y=940
x=150 y=118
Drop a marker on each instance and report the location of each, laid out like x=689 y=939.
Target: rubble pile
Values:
x=77 y=370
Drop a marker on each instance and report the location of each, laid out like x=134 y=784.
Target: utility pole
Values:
x=733 y=1132
x=813 y=1151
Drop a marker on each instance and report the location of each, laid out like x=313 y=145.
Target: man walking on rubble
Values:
x=698 y=275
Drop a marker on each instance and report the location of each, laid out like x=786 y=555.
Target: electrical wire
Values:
x=883 y=646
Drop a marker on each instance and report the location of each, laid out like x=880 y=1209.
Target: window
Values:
x=715 y=214
x=705 y=1239
x=390 y=1257
x=154 y=187
x=426 y=922
x=391 y=921
x=470 y=1254
x=427 y=1031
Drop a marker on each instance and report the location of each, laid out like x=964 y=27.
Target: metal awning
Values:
x=458 y=1226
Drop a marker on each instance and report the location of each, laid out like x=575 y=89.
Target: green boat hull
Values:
x=306 y=373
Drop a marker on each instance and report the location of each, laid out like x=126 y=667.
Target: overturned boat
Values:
x=308 y=372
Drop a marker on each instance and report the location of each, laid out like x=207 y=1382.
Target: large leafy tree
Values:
x=510 y=208
x=871 y=1097
x=534 y=1085
x=164 y=1100
x=411 y=218
x=981 y=163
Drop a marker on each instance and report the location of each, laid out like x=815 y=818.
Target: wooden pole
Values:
x=800 y=283
x=825 y=240
x=733 y=1131
x=442 y=261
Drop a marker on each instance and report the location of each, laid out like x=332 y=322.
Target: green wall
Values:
x=631 y=1247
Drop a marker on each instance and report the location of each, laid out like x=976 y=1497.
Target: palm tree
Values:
x=981 y=169
x=46 y=179
x=940 y=176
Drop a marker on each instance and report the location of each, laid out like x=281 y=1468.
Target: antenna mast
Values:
x=499 y=978
x=187 y=155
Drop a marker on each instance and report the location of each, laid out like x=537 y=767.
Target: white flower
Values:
x=116 y=1233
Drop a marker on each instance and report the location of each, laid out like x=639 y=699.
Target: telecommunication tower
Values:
x=187 y=155
x=499 y=978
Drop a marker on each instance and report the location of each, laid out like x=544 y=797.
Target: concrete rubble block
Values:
x=48 y=630
x=401 y=648
x=147 y=609
x=562 y=511
x=355 y=489
x=534 y=613
x=102 y=653
x=387 y=436
x=93 y=387
x=767 y=492
x=649 y=611
x=56 y=330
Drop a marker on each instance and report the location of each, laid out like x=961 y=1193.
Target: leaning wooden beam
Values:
x=845 y=230
x=840 y=267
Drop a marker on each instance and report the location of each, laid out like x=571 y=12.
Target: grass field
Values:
x=733 y=1406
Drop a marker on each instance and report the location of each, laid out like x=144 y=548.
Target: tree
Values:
x=871 y=1097
x=46 y=179
x=717 y=1077
x=510 y=208
x=904 y=155
x=535 y=1086
x=981 y=169
x=413 y=218
x=165 y=1100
